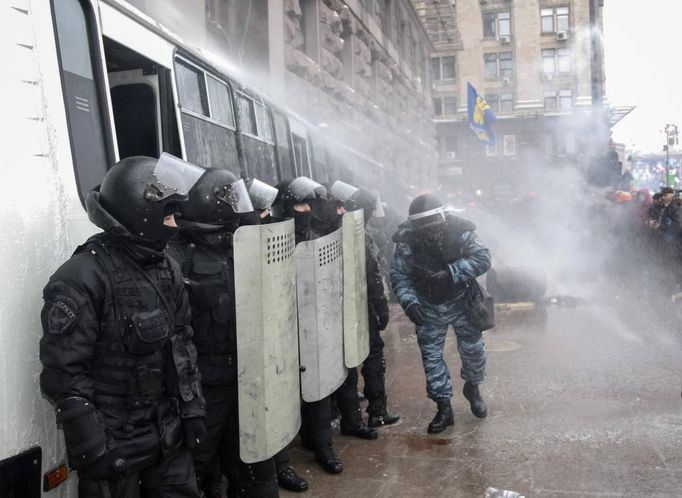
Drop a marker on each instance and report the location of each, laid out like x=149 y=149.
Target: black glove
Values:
x=382 y=321
x=109 y=467
x=195 y=431
x=442 y=278
x=415 y=313
x=382 y=315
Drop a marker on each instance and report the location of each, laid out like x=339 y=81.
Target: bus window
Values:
x=301 y=154
x=207 y=118
x=319 y=160
x=257 y=138
x=282 y=137
x=91 y=143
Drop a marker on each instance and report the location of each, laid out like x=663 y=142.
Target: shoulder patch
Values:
x=62 y=314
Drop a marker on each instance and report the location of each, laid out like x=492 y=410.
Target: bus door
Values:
x=138 y=66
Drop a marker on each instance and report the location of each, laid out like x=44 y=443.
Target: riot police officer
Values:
x=436 y=255
x=294 y=200
x=204 y=252
x=118 y=359
x=374 y=366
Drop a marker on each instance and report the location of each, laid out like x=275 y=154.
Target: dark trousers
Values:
x=219 y=452
x=348 y=402
x=316 y=423
x=173 y=477
x=374 y=373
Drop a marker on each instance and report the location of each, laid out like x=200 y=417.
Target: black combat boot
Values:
x=444 y=417
x=360 y=431
x=288 y=479
x=326 y=457
x=379 y=416
x=472 y=393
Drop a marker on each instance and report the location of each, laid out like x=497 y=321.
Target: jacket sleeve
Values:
x=185 y=356
x=70 y=329
x=401 y=278
x=475 y=259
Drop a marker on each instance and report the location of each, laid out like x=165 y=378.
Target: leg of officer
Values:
x=349 y=405
x=471 y=347
x=431 y=339
x=173 y=477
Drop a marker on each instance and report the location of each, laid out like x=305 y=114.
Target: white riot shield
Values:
x=355 y=318
x=320 y=307
x=267 y=339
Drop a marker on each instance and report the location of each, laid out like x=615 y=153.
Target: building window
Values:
x=509 y=145
x=550 y=101
x=506 y=64
x=555 y=19
x=549 y=61
x=493 y=69
x=564 y=60
x=449 y=106
x=561 y=101
x=443 y=68
x=490 y=66
x=556 y=60
x=448 y=147
x=565 y=100
x=493 y=102
x=445 y=106
x=507 y=102
x=496 y=24
x=500 y=103
x=437 y=106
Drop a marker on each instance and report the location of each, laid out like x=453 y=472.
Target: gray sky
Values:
x=642 y=43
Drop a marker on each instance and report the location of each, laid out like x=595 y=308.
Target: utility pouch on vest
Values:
x=150 y=328
x=170 y=429
x=147 y=386
x=480 y=306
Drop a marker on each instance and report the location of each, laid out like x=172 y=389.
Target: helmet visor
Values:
x=174 y=178
x=303 y=188
x=343 y=191
x=262 y=195
x=236 y=195
x=427 y=219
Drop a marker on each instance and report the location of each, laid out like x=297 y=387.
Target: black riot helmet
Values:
x=426 y=211
x=137 y=193
x=296 y=191
x=343 y=191
x=369 y=201
x=217 y=199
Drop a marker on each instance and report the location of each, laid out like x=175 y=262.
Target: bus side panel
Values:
x=42 y=222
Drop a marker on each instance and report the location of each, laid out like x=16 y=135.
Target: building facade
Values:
x=538 y=64
x=357 y=69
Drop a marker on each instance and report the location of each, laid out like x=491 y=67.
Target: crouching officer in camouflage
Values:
x=117 y=352
x=204 y=251
x=436 y=255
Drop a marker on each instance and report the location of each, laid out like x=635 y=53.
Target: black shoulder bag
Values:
x=480 y=306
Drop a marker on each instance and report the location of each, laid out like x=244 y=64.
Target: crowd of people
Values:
x=140 y=353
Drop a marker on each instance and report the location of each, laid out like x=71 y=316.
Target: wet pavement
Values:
x=582 y=401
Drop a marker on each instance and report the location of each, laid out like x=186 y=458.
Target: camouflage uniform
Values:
x=461 y=252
